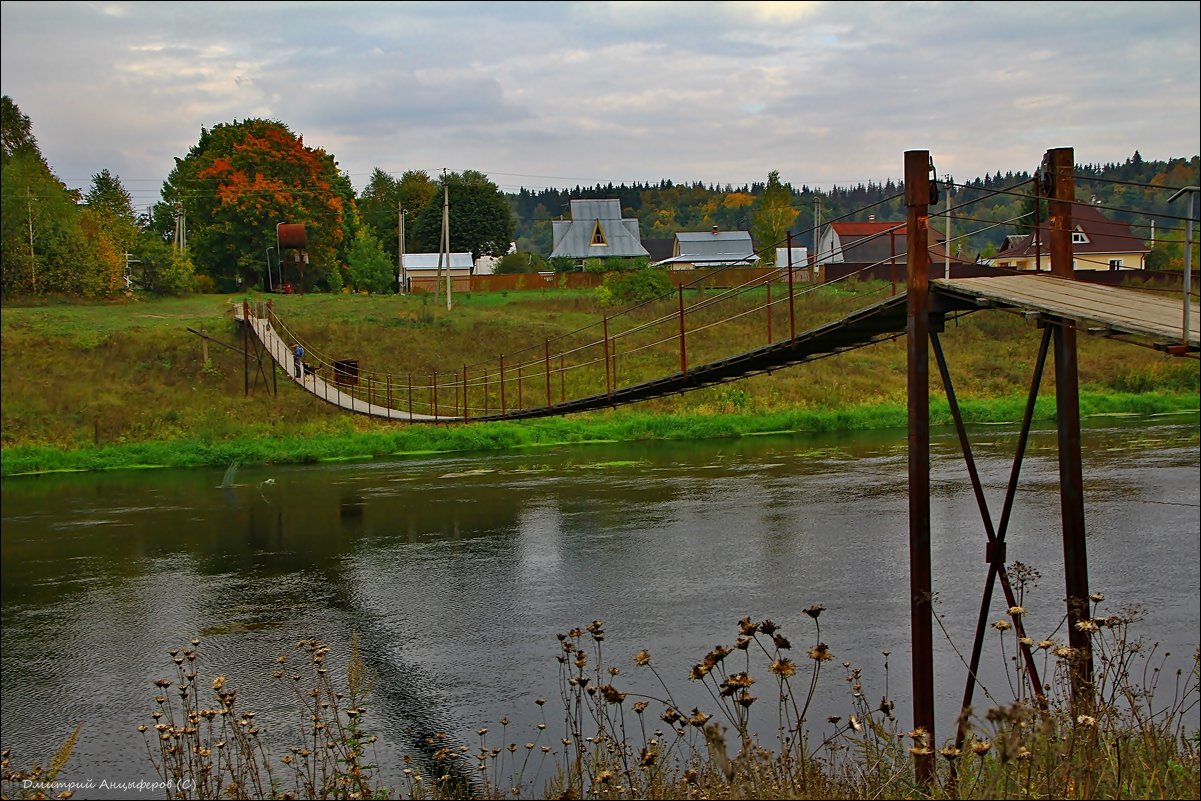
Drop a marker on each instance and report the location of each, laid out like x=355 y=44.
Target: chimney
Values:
x=715 y=230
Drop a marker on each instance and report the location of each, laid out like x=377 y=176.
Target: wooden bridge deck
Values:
x=1156 y=319
x=281 y=352
x=1148 y=319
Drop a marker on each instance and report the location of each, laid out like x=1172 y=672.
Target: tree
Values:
x=379 y=206
x=480 y=219
x=370 y=267
x=112 y=204
x=520 y=262
x=772 y=215
x=243 y=178
x=42 y=248
x=16 y=131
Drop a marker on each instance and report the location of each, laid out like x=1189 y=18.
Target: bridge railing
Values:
x=665 y=337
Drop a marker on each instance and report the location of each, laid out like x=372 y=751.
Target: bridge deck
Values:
x=330 y=393
x=1148 y=318
x=1157 y=318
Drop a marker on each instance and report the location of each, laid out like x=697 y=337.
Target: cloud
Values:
x=598 y=92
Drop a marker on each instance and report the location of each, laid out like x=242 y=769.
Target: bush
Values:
x=633 y=287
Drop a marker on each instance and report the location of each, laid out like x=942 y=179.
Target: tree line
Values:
x=215 y=227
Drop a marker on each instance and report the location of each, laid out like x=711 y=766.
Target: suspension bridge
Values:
x=701 y=340
x=533 y=384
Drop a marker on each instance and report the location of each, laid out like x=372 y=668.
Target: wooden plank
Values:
x=1116 y=308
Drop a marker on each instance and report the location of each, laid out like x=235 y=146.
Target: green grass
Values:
x=118 y=385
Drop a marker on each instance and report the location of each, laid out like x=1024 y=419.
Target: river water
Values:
x=457 y=572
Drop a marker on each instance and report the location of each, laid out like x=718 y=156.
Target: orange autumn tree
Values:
x=243 y=178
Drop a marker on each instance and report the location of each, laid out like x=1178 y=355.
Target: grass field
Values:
x=124 y=383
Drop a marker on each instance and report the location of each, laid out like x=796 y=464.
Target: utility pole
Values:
x=817 y=233
x=33 y=261
x=446 y=233
x=1188 y=255
x=400 y=247
x=438 y=277
x=946 y=263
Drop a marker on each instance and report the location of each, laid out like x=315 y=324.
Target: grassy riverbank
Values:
x=125 y=384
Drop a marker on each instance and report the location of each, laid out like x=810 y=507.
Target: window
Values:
x=598 y=236
x=1115 y=264
x=1079 y=237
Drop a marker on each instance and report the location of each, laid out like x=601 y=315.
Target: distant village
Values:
x=871 y=249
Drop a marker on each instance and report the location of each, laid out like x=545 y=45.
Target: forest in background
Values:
x=1134 y=191
x=215 y=228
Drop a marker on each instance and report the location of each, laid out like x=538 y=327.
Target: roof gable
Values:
x=596 y=230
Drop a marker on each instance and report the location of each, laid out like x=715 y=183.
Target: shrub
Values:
x=633 y=287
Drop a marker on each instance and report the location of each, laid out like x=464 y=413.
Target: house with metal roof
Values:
x=715 y=248
x=1098 y=243
x=595 y=230
x=878 y=249
x=419 y=272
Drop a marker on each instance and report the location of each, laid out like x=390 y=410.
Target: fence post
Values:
x=410 y=397
x=434 y=387
x=503 y=410
x=464 y=393
x=548 y=398
x=562 y=381
x=485 y=392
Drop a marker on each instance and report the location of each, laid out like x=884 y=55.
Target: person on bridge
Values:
x=297 y=359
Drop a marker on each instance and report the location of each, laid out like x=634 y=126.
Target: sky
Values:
x=551 y=94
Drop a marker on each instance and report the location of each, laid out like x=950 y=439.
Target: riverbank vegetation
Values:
x=125 y=384
x=616 y=730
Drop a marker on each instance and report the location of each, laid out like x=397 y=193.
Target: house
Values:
x=715 y=248
x=419 y=272
x=870 y=242
x=595 y=230
x=800 y=257
x=486 y=265
x=1098 y=243
x=873 y=248
x=660 y=248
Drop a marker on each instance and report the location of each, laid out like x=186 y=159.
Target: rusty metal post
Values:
x=547 y=362
x=1036 y=190
x=503 y=408
x=485 y=392
x=562 y=381
x=791 y=310
x=410 y=397
x=464 y=393
x=520 y=403
x=683 y=348
x=892 y=258
x=434 y=387
x=917 y=200
x=769 y=312
x=389 y=396
x=1059 y=164
x=246 y=347
x=608 y=377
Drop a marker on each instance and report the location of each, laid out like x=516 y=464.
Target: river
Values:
x=457 y=573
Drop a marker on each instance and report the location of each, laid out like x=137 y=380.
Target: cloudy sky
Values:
x=558 y=94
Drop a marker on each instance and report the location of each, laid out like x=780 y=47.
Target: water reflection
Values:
x=458 y=572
